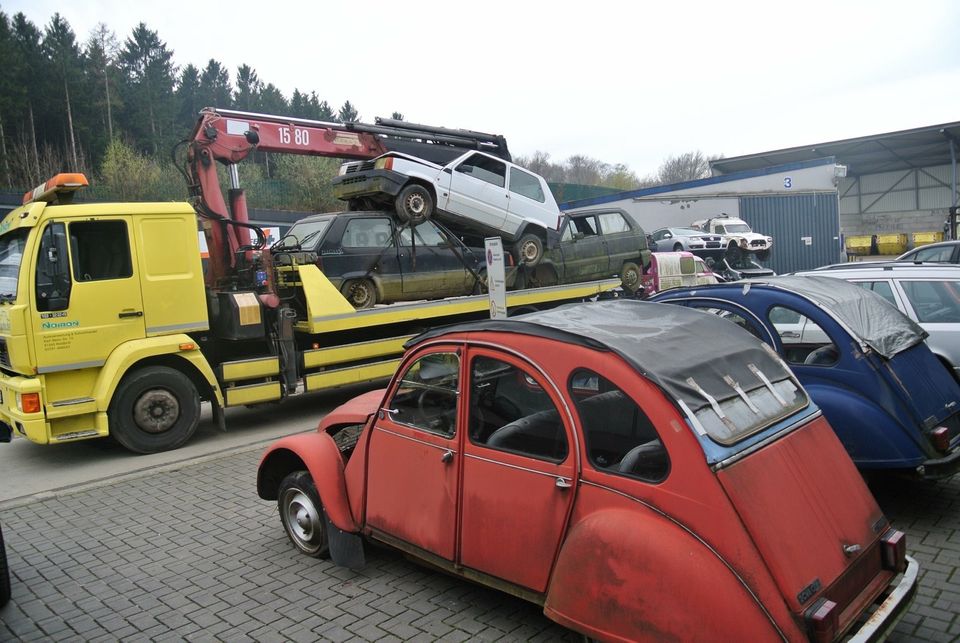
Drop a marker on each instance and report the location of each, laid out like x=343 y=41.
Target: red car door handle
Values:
x=563 y=483
x=447 y=456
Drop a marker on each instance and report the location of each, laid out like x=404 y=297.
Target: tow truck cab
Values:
x=85 y=291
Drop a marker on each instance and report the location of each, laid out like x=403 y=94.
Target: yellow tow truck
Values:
x=110 y=326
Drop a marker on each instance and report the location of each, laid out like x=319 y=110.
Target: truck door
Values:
x=99 y=306
x=171 y=275
x=478 y=191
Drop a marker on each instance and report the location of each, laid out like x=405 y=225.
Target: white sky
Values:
x=629 y=82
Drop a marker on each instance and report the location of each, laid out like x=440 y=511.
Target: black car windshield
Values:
x=306 y=233
x=11 y=254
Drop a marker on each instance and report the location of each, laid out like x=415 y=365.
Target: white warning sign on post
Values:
x=496 y=278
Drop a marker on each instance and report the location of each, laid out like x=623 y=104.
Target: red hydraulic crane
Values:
x=228 y=137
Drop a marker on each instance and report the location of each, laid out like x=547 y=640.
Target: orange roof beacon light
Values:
x=60 y=188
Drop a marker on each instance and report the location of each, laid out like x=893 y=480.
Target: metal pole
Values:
x=234 y=176
x=953 y=179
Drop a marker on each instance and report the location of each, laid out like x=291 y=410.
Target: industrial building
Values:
x=809 y=198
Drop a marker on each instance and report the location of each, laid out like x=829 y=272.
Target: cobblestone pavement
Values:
x=194 y=554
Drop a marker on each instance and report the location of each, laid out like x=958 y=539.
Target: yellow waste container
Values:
x=923 y=238
x=858 y=245
x=892 y=244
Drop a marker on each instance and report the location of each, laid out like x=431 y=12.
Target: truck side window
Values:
x=510 y=411
x=427 y=395
x=53 y=271
x=526 y=184
x=367 y=233
x=100 y=250
x=620 y=438
x=485 y=168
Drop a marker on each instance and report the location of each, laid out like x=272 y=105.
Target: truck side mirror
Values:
x=53 y=270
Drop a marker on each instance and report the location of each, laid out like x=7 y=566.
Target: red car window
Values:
x=620 y=438
x=427 y=395
x=509 y=411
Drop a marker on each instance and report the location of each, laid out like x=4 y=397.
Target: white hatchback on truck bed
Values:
x=477 y=193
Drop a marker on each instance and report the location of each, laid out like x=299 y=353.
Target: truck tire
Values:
x=414 y=204
x=361 y=293
x=630 y=276
x=528 y=251
x=678 y=247
x=4 y=573
x=154 y=409
x=301 y=514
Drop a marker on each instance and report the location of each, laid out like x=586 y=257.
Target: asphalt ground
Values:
x=189 y=552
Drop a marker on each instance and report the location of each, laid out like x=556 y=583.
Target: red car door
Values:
x=414 y=464
x=519 y=473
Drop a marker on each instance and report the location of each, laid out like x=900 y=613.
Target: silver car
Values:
x=928 y=294
x=697 y=241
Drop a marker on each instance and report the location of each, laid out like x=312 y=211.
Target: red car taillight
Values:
x=823 y=621
x=893 y=548
x=940 y=438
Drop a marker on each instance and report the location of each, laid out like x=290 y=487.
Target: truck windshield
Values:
x=11 y=253
x=737 y=227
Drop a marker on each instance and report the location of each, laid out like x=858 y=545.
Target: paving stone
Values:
x=137 y=561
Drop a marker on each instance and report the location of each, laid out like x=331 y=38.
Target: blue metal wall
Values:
x=792 y=220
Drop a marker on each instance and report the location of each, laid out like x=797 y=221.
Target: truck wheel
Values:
x=677 y=247
x=361 y=293
x=301 y=513
x=528 y=250
x=630 y=276
x=4 y=574
x=154 y=409
x=414 y=204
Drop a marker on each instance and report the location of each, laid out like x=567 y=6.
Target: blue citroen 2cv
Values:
x=892 y=403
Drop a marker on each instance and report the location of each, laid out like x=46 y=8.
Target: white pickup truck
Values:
x=737 y=234
x=476 y=193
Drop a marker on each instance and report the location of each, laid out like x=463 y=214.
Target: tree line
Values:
x=115 y=109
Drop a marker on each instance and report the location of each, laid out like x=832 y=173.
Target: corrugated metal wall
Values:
x=805 y=228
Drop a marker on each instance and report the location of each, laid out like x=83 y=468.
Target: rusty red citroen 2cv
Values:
x=605 y=462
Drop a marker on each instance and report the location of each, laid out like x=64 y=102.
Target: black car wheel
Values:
x=301 y=514
x=361 y=293
x=677 y=247
x=414 y=204
x=630 y=276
